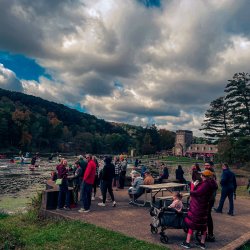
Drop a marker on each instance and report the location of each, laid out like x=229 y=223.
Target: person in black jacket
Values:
x=179 y=174
x=228 y=189
x=107 y=176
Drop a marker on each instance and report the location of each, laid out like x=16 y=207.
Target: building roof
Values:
x=186 y=131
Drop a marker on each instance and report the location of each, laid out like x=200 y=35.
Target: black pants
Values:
x=96 y=183
x=210 y=224
x=122 y=179
x=107 y=186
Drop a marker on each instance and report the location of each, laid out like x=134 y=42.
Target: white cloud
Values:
x=172 y=61
x=8 y=79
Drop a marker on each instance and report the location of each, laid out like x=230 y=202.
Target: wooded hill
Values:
x=34 y=124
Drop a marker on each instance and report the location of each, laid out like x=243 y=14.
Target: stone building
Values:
x=183 y=140
x=184 y=147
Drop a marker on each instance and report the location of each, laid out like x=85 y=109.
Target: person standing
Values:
x=88 y=181
x=117 y=173
x=108 y=174
x=123 y=173
x=179 y=174
x=198 y=210
x=210 y=224
x=228 y=189
x=77 y=180
x=62 y=173
x=96 y=182
x=83 y=163
x=33 y=163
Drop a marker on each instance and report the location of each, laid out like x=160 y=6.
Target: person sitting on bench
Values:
x=149 y=180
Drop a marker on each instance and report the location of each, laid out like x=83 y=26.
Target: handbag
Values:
x=59 y=182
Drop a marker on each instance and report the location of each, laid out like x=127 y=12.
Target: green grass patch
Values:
x=245 y=247
x=28 y=232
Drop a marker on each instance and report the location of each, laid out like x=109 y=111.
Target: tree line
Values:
x=227 y=121
x=30 y=123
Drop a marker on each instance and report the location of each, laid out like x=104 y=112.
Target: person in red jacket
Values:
x=88 y=181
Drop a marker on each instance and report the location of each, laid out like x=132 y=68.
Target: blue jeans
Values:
x=63 y=193
x=226 y=192
x=86 y=195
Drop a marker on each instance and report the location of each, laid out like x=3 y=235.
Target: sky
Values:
x=139 y=62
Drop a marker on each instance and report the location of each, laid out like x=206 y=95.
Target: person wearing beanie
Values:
x=198 y=210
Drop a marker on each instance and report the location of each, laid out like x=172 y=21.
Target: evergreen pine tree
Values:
x=216 y=123
x=238 y=102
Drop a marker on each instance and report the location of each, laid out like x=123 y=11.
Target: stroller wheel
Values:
x=164 y=239
x=152 y=212
x=154 y=230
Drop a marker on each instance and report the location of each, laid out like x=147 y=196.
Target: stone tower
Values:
x=183 y=140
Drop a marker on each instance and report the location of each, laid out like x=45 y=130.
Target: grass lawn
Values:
x=246 y=246
x=27 y=232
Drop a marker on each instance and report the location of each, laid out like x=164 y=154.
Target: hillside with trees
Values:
x=30 y=123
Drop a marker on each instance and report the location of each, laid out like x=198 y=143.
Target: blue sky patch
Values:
x=77 y=106
x=151 y=3
x=24 y=67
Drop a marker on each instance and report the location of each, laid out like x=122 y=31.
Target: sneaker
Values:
x=101 y=204
x=86 y=211
x=93 y=198
x=217 y=211
x=201 y=245
x=131 y=202
x=59 y=208
x=210 y=238
x=81 y=210
x=114 y=204
x=231 y=214
x=67 y=208
x=186 y=245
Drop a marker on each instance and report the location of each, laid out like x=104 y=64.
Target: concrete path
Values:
x=134 y=221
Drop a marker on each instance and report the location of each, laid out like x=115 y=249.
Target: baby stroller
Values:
x=165 y=218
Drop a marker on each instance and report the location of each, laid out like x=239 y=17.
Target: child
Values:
x=177 y=203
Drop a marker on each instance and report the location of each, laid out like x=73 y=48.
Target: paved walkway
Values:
x=134 y=221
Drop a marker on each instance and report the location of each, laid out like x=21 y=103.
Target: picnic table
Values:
x=154 y=189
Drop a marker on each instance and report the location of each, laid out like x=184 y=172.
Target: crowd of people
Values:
x=89 y=173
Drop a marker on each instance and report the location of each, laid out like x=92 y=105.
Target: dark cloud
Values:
x=191 y=92
x=141 y=110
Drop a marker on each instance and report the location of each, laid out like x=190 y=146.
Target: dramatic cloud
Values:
x=170 y=61
x=8 y=80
